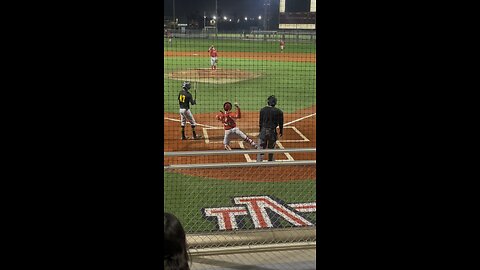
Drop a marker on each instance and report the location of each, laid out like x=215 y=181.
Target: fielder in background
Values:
x=228 y=119
x=170 y=35
x=270 y=118
x=282 y=44
x=184 y=100
x=213 y=57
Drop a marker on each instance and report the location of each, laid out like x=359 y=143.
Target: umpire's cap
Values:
x=272 y=101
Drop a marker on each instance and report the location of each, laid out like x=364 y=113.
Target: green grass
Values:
x=225 y=45
x=185 y=196
x=293 y=83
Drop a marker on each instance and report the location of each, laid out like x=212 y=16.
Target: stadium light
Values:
x=214 y=17
x=259 y=17
x=246 y=18
x=225 y=18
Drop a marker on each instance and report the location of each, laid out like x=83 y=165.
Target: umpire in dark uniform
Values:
x=270 y=119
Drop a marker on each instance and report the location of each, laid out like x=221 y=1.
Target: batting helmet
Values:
x=272 y=101
x=186 y=85
x=227 y=106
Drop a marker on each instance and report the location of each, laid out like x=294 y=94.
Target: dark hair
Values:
x=227 y=106
x=174 y=244
x=272 y=101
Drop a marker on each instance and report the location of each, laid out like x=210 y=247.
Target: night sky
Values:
x=251 y=8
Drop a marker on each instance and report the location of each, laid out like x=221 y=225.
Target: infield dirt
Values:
x=248 y=124
x=288 y=57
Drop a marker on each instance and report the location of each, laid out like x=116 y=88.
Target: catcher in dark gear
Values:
x=228 y=120
x=270 y=119
x=184 y=100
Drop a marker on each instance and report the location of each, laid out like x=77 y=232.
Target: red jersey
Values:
x=213 y=52
x=228 y=119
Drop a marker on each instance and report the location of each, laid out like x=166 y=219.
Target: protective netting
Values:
x=250 y=67
x=229 y=77
x=243 y=206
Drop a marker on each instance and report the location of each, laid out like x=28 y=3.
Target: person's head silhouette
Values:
x=174 y=244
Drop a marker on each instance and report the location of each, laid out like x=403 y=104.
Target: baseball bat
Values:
x=195 y=90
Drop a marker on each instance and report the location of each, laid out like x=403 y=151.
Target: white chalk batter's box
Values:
x=216 y=136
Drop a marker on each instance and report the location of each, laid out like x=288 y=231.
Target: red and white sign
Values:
x=261 y=210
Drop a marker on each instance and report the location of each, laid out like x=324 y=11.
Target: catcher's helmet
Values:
x=227 y=106
x=272 y=101
x=186 y=85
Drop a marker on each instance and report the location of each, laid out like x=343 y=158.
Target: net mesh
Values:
x=221 y=203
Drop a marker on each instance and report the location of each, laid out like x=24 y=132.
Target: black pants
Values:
x=267 y=139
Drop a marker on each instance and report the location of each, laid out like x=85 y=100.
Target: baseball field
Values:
x=248 y=71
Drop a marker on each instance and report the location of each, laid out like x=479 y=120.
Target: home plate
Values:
x=253 y=134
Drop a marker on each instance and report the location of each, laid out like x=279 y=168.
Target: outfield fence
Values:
x=224 y=205
x=288 y=35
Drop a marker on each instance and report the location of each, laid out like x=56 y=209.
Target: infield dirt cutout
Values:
x=248 y=124
x=217 y=76
x=282 y=57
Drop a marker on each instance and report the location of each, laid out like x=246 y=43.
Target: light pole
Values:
x=174 y=26
x=265 y=19
x=204 y=18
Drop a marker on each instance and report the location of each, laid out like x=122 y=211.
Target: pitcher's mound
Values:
x=206 y=75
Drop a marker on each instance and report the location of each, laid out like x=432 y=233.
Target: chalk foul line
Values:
x=202 y=125
x=300 y=119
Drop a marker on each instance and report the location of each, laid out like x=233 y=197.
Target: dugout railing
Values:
x=230 y=207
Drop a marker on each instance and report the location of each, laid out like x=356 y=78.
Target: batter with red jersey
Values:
x=228 y=119
x=213 y=57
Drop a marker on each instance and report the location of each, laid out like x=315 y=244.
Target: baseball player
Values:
x=270 y=118
x=282 y=45
x=228 y=119
x=184 y=100
x=213 y=57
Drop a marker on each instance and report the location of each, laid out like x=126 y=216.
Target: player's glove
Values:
x=236 y=104
x=194 y=102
